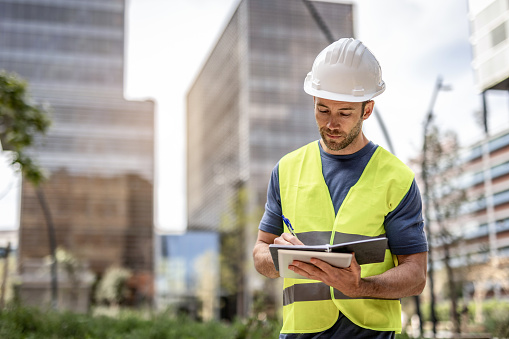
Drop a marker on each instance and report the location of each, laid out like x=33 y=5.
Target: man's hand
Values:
x=287 y=239
x=347 y=280
x=261 y=254
x=405 y=280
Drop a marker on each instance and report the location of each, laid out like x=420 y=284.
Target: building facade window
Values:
x=499 y=34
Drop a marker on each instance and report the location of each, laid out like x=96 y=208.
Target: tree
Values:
x=21 y=121
x=444 y=197
x=232 y=257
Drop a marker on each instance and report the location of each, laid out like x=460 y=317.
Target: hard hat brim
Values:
x=339 y=97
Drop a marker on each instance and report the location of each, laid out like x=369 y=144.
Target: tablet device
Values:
x=285 y=258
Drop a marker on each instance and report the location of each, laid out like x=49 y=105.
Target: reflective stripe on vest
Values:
x=311 y=306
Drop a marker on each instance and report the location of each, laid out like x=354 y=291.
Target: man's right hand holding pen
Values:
x=261 y=253
x=288 y=238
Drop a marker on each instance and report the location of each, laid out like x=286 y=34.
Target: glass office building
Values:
x=247 y=108
x=99 y=151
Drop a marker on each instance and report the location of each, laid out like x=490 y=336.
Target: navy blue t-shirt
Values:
x=403 y=226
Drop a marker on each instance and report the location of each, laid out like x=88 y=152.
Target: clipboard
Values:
x=285 y=258
x=367 y=251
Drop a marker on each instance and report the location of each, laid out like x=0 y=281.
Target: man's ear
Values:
x=368 y=109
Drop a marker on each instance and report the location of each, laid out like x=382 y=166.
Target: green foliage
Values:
x=402 y=335
x=255 y=328
x=19 y=322
x=442 y=311
x=20 y=122
x=261 y=324
x=496 y=315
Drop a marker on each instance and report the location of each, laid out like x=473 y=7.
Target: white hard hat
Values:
x=346 y=70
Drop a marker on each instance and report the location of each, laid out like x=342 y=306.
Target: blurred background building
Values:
x=487 y=159
x=245 y=110
x=99 y=151
x=479 y=236
x=489 y=30
x=481 y=239
x=486 y=228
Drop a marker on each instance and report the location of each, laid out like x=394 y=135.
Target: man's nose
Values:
x=333 y=123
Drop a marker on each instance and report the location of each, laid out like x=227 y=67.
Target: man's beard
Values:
x=347 y=140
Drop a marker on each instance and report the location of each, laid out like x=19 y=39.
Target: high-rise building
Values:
x=489 y=23
x=247 y=108
x=469 y=218
x=99 y=151
x=473 y=236
x=489 y=26
x=480 y=241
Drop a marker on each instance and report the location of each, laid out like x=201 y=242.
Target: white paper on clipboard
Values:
x=285 y=258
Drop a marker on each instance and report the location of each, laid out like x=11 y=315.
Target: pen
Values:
x=289 y=225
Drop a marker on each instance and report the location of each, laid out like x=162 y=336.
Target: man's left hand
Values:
x=347 y=280
x=408 y=278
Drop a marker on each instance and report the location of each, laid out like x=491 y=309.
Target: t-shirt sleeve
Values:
x=271 y=221
x=404 y=226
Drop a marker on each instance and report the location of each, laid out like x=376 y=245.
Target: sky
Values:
x=415 y=41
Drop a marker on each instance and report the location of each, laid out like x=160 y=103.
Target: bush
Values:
x=496 y=315
x=257 y=329
x=403 y=335
x=496 y=318
x=442 y=311
x=32 y=323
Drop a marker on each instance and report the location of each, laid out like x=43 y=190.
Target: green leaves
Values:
x=21 y=121
x=23 y=323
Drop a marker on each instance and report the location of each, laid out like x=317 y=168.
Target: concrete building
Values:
x=247 y=108
x=478 y=237
x=99 y=151
x=489 y=27
x=480 y=240
x=489 y=22
x=469 y=226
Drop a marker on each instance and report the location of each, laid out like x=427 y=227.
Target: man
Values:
x=344 y=188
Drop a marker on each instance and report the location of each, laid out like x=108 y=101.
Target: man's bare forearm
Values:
x=263 y=260
x=402 y=281
x=406 y=279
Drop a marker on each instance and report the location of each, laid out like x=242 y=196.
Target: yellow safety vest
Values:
x=309 y=305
